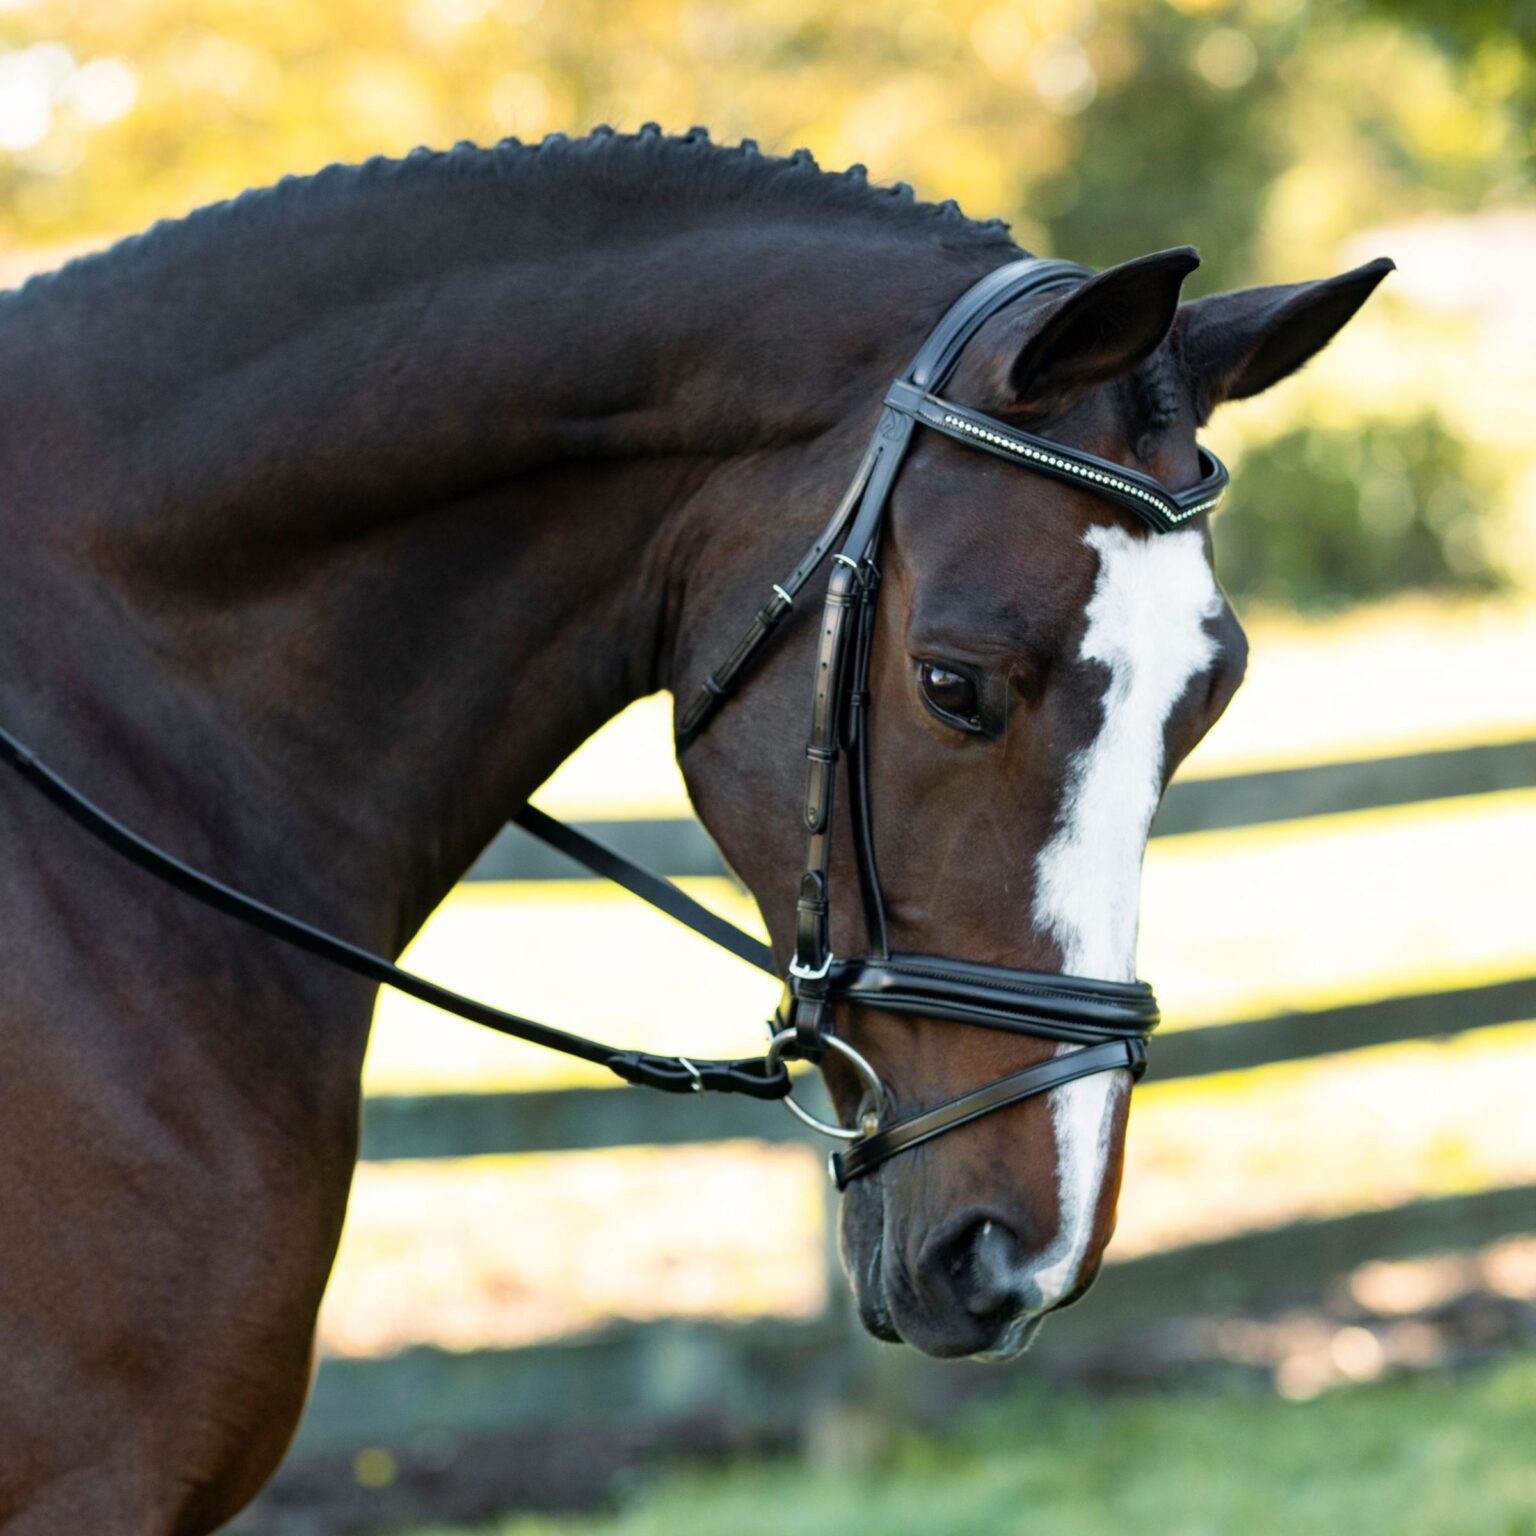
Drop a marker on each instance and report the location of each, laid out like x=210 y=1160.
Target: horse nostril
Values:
x=979 y=1264
x=996 y=1261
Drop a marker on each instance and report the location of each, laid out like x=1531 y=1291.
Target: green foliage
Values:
x=1321 y=516
x=1482 y=35
x=1417 y=1457
x=1163 y=135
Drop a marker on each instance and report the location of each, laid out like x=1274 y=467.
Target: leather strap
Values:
x=720 y=684
x=856 y=727
x=941 y=350
x=867 y=1154
x=847 y=589
x=1047 y=1004
x=648 y=886
x=753 y=1076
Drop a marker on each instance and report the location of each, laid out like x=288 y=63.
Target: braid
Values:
x=1157 y=389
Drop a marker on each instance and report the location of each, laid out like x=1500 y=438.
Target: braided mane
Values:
x=677 y=172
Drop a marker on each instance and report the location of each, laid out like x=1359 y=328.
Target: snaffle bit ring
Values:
x=869 y=1121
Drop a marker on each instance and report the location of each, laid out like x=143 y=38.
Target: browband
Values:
x=1148 y=498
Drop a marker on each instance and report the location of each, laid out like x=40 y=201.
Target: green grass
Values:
x=1427 y=1456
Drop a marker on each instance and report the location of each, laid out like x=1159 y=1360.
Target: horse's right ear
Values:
x=1237 y=344
x=1101 y=330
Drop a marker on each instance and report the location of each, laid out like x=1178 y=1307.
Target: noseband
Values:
x=1108 y=1022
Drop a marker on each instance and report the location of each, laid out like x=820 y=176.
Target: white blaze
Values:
x=1146 y=626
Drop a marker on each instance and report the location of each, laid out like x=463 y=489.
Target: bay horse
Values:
x=336 y=516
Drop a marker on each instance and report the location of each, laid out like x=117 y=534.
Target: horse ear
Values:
x=1236 y=344
x=1103 y=329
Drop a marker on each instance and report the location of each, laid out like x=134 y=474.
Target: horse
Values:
x=337 y=515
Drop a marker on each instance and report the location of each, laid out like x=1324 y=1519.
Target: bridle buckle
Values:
x=804 y=973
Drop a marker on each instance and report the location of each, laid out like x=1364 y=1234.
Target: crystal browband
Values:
x=1151 y=501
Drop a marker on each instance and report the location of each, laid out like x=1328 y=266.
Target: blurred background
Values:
x=554 y=1297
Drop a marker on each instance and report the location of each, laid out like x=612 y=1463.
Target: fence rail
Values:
x=764 y=1376
x=680 y=847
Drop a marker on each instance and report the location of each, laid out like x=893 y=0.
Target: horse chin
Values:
x=890 y=1309
x=1016 y=1338
x=1021 y=1332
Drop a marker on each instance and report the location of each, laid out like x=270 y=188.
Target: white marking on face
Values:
x=1146 y=626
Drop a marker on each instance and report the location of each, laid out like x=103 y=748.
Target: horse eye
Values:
x=951 y=694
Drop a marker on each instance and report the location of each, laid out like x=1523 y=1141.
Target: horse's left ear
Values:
x=1237 y=344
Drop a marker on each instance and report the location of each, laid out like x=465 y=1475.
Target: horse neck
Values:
x=370 y=539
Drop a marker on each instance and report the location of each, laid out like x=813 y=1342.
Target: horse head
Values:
x=1038 y=663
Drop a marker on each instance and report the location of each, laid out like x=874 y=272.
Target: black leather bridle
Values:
x=1107 y=1021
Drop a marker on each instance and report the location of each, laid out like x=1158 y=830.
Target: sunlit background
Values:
x=1326 y=1267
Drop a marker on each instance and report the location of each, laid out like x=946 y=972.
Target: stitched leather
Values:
x=721 y=683
x=1161 y=509
x=1021 y=1002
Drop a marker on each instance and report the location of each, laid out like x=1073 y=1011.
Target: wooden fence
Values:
x=771 y=1373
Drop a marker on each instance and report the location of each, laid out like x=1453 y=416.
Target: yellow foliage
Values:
x=112 y=115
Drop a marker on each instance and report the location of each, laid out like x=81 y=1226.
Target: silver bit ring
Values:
x=869 y=1121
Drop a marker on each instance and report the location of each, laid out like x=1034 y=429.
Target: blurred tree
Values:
x=1106 y=127
x=1493 y=40
x=1186 y=130
x=1321 y=517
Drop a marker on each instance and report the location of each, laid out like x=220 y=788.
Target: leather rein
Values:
x=1107 y=1022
